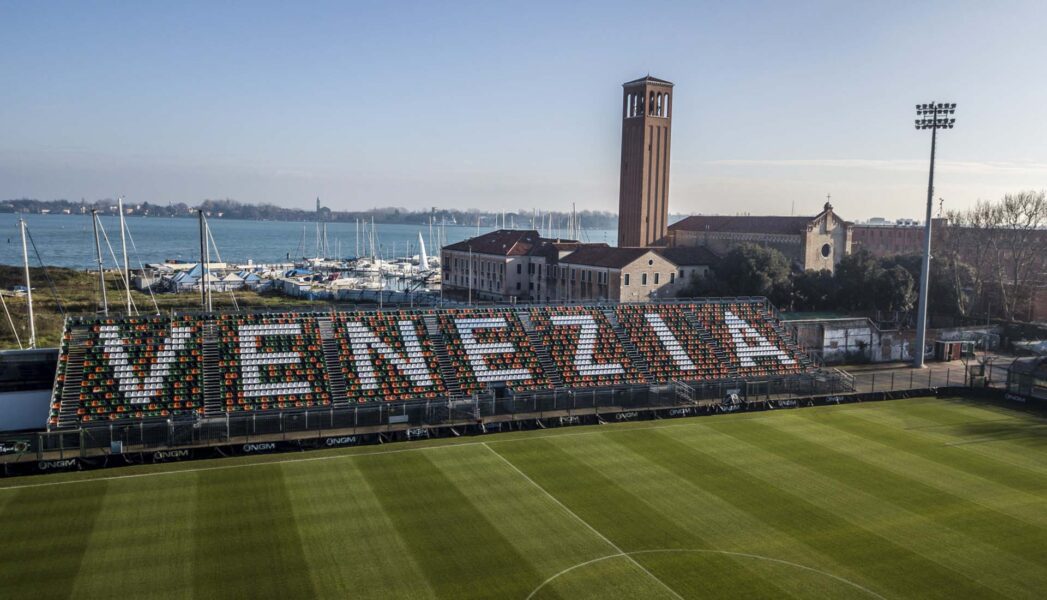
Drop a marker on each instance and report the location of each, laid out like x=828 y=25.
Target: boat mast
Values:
x=101 y=270
x=205 y=296
x=28 y=286
x=123 y=244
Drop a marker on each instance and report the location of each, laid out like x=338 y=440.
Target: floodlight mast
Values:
x=934 y=116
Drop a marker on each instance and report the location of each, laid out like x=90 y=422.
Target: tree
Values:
x=750 y=270
x=857 y=275
x=814 y=290
x=895 y=289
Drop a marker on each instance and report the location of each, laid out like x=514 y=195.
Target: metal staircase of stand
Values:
x=548 y=366
x=630 y=349
x=332 y=364
x=790 y=340
x=74 y=375
x=212 y=379
x=708 y=339
x=447 y=372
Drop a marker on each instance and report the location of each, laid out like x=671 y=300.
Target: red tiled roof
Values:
x=688 y=256
x=505 y=242
x=744 y=224
x=604 y=256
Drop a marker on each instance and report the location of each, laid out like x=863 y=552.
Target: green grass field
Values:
x=901 y=499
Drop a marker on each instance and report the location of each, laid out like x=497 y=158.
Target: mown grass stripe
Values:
x=996 y=538
x=43 y=538
x=928 y=445
x=462 y=554
x=1023 y=505
x=623 y=514
x=148 y=524
x=896 y=568
x=246 y=537
x=348 y=540
x=529 y=520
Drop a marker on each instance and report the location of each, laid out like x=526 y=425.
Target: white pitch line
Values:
x=582 y=521
x=688 y=422
x=319 y=458
x=705 y=551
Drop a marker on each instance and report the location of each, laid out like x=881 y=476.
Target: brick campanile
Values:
x=643 y=192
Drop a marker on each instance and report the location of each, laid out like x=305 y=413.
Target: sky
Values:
x=504 y=105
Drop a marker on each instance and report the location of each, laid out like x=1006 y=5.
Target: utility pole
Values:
x=28 y=286
x=933 y=116
x=101 y=270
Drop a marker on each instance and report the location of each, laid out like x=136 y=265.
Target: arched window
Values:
x=660 y=113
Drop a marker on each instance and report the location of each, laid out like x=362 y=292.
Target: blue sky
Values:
x=502 y=105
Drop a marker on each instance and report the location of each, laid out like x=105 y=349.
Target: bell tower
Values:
x=643 y=191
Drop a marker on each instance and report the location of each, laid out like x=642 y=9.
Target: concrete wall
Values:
x=24 y=410
x=850 y=340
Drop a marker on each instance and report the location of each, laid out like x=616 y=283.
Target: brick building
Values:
x=883 y=238
x=506 y=265
x=628 y=274
x=521 y=266
x=811 y=243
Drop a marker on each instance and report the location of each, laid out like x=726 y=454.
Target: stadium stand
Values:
x=189 y=366
x=672 y=347
x=271 y=361
x=387 y=356
x=754 y=346
x=489 y=345
x=133 y=367
x=584 y=346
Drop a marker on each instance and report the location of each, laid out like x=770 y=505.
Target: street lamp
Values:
x=933 y=116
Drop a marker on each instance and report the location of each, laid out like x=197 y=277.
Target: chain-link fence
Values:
x=496 y=408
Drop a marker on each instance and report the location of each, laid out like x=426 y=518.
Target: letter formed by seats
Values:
x=583 y=353
x=251 y=361
x=477 y=351
x=742 y=333
x=669 y=342
x=411 y=363
x=138 y=390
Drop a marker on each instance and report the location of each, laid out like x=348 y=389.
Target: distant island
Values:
x=232 y=209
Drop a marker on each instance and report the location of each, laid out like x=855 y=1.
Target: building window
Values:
x=518 y=285
x=656 y=278
x=826 y=250
x=626 y=279
x=519 y=268
x=643 y=279
x=672 y=277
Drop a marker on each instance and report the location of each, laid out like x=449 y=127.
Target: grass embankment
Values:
x=78 y=293
x=919 y=498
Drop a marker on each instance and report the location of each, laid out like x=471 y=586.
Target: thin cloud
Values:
x=972 y=167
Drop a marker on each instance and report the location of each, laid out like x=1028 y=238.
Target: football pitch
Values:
x=903 y=499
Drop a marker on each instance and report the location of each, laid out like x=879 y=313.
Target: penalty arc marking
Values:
x=629 y=555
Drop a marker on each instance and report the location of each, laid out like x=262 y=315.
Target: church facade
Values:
x=811 y=243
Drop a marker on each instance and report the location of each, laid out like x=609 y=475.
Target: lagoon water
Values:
x=67 y=240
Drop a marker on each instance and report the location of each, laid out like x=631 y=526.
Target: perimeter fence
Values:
x=413 y=417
